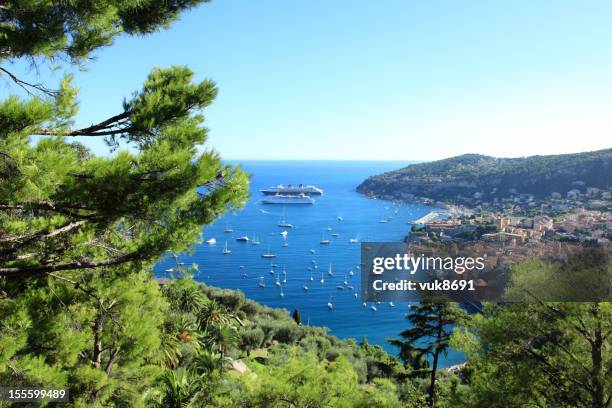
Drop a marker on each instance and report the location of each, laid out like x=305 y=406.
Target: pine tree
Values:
x=79 y=233
x=432 y=322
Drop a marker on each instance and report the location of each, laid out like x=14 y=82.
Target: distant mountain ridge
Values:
x=469 y=176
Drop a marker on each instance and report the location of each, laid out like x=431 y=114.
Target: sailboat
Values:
x=283 y=222
x=329 y=270
x=272 y=269
x=351 y=273
x=255 y=240
x=228 y=229
x=226 y=250
x=323 y=240
x=311 y=277
x=262 y=283
x=278 y=282
x=268 y=254
x=346 y=280
x=322 y=279
x=284 y=275
x=282 y=294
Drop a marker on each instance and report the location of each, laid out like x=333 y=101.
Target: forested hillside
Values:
x=461 y=178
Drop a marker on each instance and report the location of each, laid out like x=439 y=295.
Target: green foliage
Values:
x=53 y=29
x=535 y=353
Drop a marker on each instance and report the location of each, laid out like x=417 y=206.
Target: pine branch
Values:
x=28 y=87
x=23 y=272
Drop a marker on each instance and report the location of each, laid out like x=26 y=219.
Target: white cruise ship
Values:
x=290 y=189
x=288 y=199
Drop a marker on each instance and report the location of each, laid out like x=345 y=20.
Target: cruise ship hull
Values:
x=288 y=200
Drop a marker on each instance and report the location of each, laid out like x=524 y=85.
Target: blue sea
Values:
x=342 y=211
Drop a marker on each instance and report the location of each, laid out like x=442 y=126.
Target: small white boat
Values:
x=355 y=294
x=284 y=233
x=353 y=241
x=283 y=222
x=311 y=278
x=329 y=270
x=211 y=241
x=363 y=304
x=340 y=287
x=329 y=228
x=351 y=273
x=285 y=245
x=284 y=276
x=373 y=308
x=383 y=221
x=261 y=283
x=169 y=270
x=322 y=279
x=330 y=305
x=340 y=218
x=263 y=211
x=226 y=250
x=391 y=304
x=282 y=294
x=228 y=229
x=335 y=234
x=312 y=251
x=351 y=287
x=268 y=254
x=255 y=241
x=305 y=287
x=243 y=239
x=323 y=240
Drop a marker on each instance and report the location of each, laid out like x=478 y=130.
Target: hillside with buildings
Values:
x=473 y=179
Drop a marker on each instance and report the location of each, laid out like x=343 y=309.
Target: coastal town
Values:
x=580 y=216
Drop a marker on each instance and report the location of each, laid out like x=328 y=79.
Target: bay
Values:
x=342 y=211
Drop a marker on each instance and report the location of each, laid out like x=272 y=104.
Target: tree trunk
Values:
x=96 y=357
x=597 y=374
x=434 y=366
x=432 y=384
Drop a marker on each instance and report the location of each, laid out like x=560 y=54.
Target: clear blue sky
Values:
x=409 y=80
